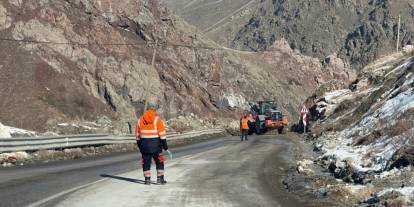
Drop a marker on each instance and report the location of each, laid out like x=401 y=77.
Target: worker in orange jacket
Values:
x=244 y=127
x=151 y=139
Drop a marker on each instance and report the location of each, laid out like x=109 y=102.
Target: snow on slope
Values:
x=393 y=101
x=369 y=128
x=9 y=132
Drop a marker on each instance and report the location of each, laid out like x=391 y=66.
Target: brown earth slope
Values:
x=77 y=60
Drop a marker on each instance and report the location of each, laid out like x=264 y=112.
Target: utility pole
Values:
x=153 y=67
x=398 y=32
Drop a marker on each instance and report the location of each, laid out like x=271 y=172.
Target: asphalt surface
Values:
x=222 y=172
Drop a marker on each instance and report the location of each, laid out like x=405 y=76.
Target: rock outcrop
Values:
x=359 y=31
x=78 y=60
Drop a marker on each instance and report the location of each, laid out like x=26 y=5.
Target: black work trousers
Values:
x=244 y=133
x=146 y=163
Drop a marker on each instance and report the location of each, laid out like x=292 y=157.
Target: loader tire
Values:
x=257 y=128
x=282 y=130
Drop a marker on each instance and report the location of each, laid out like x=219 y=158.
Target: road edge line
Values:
x=45 y=200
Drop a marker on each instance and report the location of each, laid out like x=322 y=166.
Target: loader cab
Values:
x=267 y=107
x=276 y=115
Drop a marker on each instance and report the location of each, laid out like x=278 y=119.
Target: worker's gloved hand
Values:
x=164 y=144
x=170 y=154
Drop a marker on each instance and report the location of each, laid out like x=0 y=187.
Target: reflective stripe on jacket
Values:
x=149 y=131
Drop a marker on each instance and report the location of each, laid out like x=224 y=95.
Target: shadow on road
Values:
x=132 y=180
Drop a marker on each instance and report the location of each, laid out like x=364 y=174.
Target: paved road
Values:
x=223 y=172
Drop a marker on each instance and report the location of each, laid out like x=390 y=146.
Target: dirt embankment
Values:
x=363 y=138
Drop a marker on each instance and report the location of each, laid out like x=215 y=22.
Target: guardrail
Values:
x=69 y=141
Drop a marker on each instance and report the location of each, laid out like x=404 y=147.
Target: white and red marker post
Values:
x=304 y=113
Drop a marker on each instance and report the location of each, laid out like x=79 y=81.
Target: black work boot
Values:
x=147 y=180
x=161 y=180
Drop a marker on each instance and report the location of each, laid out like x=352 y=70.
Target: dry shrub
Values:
x=401 y=127
x=368 y=139
x=398 y=202
x=395 y=199
x=404 y=126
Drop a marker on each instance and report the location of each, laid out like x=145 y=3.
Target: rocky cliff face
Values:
x=79 y=60
x=359 y=31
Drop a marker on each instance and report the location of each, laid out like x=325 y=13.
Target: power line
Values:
x=113 y=44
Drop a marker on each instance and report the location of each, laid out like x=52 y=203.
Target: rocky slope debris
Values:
x=192 y=122
x=365 y=134
x=10 y=159
x=358 y=31
x=188 y=123
x=102 y=125
x=303 y=167
x=76 y=61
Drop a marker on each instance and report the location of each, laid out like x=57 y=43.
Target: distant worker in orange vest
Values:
x=151 y=139
x=244 y=127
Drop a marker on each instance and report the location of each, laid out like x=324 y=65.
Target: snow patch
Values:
x=376 y=156
x=303 y=167
x=8 y=132
x=368 y=158
x=392 y=173
x=354 y=189
x=4 y=131
x=408 y=192
x=391 y=108
x=21 y=132
x=405 y=65
x=68 y=125
x=408 y=49
x=331 y=97
x=331 y=100
x=232 y=101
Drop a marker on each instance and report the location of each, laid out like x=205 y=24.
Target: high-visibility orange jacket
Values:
x=244 y=123
x=150 y=133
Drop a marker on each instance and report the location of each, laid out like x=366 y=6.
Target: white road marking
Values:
x=45 y=200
